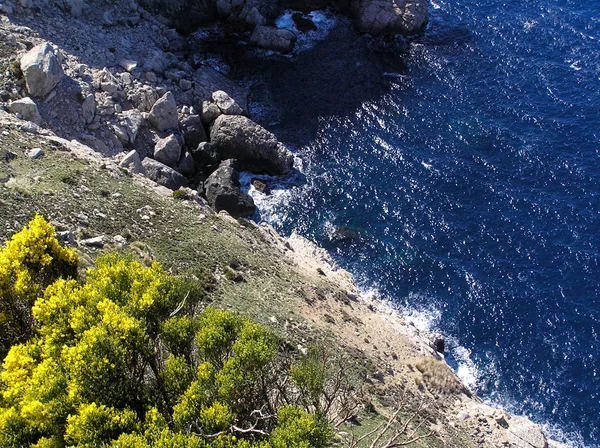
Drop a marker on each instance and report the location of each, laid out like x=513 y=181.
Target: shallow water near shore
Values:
x=457 y=175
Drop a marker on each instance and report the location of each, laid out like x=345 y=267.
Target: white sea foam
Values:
x=272 y=206
x=423 y=319
x=467 y=370
x=323 y=20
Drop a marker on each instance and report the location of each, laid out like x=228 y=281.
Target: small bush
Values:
x=438 y=377
x=180 y=195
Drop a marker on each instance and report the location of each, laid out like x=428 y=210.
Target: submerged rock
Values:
x=255 y=148
x=222 y=189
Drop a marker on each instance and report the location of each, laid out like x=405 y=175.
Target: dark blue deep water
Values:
x=457 y=174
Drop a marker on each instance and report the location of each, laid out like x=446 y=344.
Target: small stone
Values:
x=463 y=415
x=151 y=76
x=128 y=64
x=35 y=153
x=120 y=240
x=185 y=84
x=163 y=175
x=75 y=7
x=97 y=242
x=108 y=19
x=193 y=131
x=109 y=87
x=66 y=237
x=254 y=17
x=133 y=121
x=88 y=108
x=226 y=104
x=41 y=69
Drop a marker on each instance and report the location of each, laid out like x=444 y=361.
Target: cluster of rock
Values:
x=178 y=125
x=371 y=16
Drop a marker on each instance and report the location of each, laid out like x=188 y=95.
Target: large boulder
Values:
x=163 y=175
x=132 y=122
x=222 y=189
x=392 y=16
x=204 y=155
x=41 y=70
x=255 y=148
x=132 y=162
x=193 y=131
x=271 y=38
x=27 y=109
x=168 y=151
x=163 y=115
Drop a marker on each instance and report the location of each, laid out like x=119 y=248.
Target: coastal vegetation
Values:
x=128 y=357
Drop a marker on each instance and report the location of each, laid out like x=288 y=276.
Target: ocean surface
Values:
x=457 y=175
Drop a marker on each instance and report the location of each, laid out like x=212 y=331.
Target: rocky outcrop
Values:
x=372 y=16
x=255 y=148
x=163 y=115
x=41 y=70
x=392 y=16
x=26 y=109
x=223 y=191
x=523 y=433
x=163 y=175
x=271 y=38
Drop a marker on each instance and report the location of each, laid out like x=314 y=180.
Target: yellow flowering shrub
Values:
x=124 y=360
x=31 y=260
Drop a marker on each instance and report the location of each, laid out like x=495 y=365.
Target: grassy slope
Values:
x=181 y=236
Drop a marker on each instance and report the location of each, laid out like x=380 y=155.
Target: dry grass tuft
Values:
x=438 y=377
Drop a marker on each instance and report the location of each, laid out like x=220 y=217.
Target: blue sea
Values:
x=457 y=175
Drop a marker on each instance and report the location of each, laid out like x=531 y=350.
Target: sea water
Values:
x=457 y=174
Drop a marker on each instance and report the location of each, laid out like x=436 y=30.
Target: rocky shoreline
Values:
x=115 y=83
